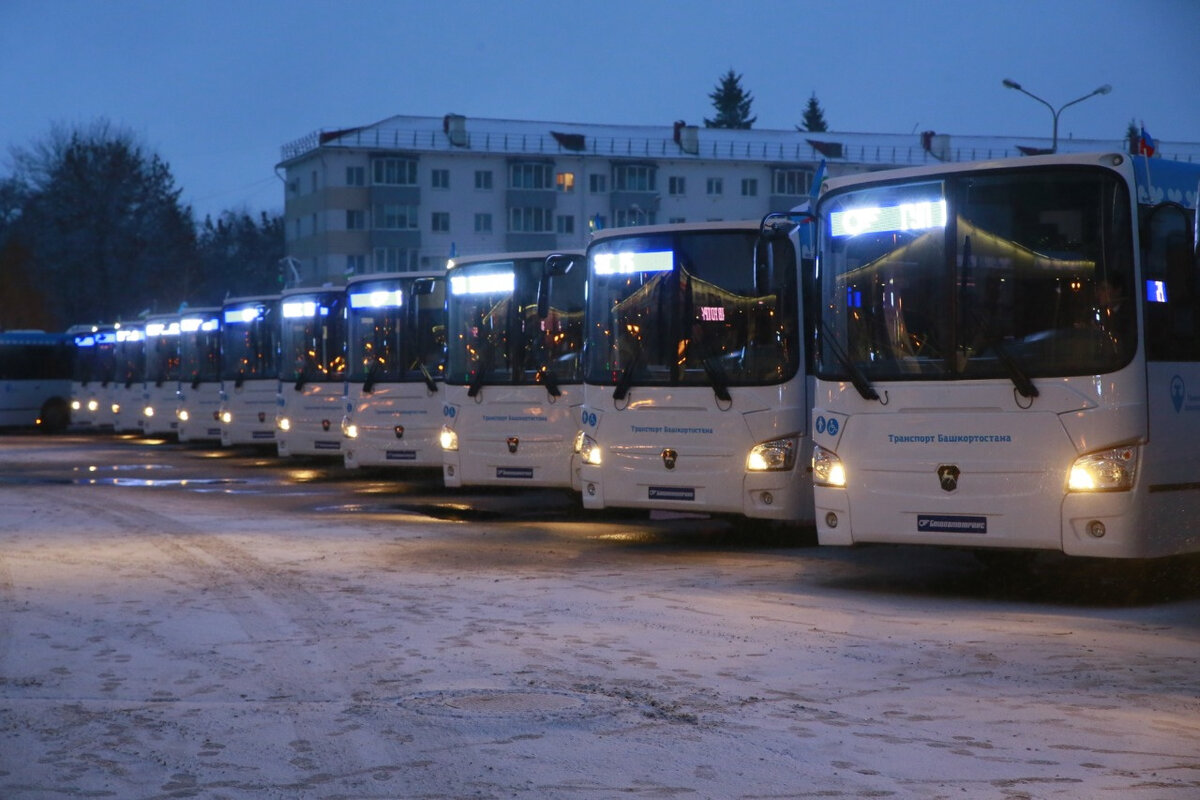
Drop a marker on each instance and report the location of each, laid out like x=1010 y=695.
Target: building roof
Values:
x=457 y=133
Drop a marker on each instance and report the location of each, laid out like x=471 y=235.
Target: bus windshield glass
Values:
x=199 y=348
x=248 y=343
x=397 y=334
x=312 y=343
x=498 y=336
x=693 y=309
x=1014 y=274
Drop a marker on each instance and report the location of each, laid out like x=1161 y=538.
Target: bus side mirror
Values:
x=556 y=264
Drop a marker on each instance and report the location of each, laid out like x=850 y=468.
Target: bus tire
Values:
x=55 y=416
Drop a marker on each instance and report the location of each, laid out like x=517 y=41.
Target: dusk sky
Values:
x=216 y=87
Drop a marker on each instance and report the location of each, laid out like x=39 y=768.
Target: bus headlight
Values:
x=588 y=449
x=183 y=415
x=115 y=408
x=773 y=456
x=448 y=438
x=148 y=411
x=76 y=405
x=827 y=468
x=1107 y=471
x=349 y=429
x=227 y=417
x=93 y=405
x=283 y=423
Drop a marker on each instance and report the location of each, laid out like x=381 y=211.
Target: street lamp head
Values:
x=1105 y=89
x=1011 y=84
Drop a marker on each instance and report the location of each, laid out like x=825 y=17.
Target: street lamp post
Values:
x=1011 y=84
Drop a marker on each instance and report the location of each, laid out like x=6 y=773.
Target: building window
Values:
x=314 y=224
x=356 y=219
x=633 y=178
x=440 y=222
x=677 y=185
x=795 y=182
x=441 y=179
x=565 y=224
x=677 y=220
x=483 y=179
x=749 y=187
x=530 y=220
x=597 y=184
x=393 y=216
x=394 y=171
x=483 y=222
x=715 y=186
x=314 y=180
x=356 y=264
x=565 y=181
x=395 y=259
x=628 y=217
x=524 y=175
x=356 y=176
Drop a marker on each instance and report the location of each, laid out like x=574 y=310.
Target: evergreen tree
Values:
x=814 y=116
x=732 y=104
x=100 y=228
x=239 y=256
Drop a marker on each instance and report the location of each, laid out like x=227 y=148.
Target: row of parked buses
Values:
x=999 y=355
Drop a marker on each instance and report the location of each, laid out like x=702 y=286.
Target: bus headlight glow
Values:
x=588 y=449
x=773 y=456
x=283 y=423
x=448 y=439
x=1107 y=471
x=116 y=408
x=148 y=411
x=827 y=468
x=76 y=405
x=93 y=405
x=227 y=417
x=182 y=415
x=349 y=429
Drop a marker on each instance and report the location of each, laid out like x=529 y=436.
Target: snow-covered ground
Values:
x=265 y=631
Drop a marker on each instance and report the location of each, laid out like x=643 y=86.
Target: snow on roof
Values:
x=455 y=132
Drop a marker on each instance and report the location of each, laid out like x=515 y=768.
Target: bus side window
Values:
x=1170 y=269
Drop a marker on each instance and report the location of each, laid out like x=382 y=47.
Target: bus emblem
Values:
x=513 y=441
x=399 y=431
x=669 y=456
x=948 y=475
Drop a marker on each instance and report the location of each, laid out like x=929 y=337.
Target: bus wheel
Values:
x=56 y=415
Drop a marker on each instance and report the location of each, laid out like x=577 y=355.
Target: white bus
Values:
x=159 y=394
x=1009 y=357
x=696 y=394
x=249 y=370
x=312 y=372
x=91 y=379
x=513 y=371
x=396 y=333
x=125 y=400
x=198 y=395
x=35 y=380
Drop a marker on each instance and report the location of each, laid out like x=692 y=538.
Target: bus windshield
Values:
x=695 y=308
x=396 y=333
x=199 y=349
x=496 y=333
x=313 y=340
x=1010 y=274
x=248 y=343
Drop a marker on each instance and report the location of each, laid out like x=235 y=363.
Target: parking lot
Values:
x=184 y=621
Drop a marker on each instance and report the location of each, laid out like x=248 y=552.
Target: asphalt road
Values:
x=191 y=622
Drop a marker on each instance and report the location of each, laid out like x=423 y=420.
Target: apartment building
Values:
x=406 y=193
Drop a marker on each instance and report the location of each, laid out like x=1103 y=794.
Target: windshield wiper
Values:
x=1016 y=372
x=302 y=377
x=626 y=380
x=429 y=382
x=369 y=382
x=857 y=378
x=484 y=364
